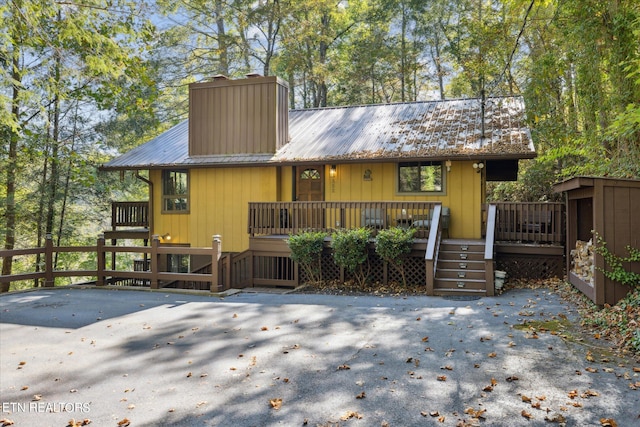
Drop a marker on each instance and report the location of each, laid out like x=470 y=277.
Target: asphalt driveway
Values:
x=255 y=359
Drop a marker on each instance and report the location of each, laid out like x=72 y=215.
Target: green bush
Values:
x=306 y=250
x=394 y=245
x=350 y=251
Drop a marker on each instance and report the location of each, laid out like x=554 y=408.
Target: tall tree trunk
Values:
x=403 y=53
x=222 y=39
x=12 y=166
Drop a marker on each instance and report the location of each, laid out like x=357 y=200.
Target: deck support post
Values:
x=216 y=253
x=155 y=265
x=101 y=261
x=49 y=281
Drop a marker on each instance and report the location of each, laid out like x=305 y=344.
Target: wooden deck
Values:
x=524 y=240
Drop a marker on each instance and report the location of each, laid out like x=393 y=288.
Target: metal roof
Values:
x=415 y=130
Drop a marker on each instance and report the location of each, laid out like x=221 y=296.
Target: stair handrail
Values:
x=433 y=246
x=489 y=250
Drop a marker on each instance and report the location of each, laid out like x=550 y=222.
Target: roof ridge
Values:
x=430 y=101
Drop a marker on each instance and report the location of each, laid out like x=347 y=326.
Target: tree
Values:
x=69 y=62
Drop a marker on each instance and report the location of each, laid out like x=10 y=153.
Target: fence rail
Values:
x=129 y=214
x=154 y=275
x=270 y=218
x=542 y=222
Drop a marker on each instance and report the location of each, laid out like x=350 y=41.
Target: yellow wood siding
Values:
x=463 y=191
x=219 y=200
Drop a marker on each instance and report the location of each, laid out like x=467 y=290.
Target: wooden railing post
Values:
x=48 y=261
x=101 y=261
x=155 y=265
x=216 y=253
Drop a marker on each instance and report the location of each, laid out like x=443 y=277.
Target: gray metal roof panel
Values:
x=386 y=131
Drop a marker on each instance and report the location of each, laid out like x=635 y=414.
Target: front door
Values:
x=310 y=188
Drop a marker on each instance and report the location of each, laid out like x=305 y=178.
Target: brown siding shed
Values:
x=610 y=209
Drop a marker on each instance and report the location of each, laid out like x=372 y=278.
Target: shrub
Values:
x=394 y=245
x=350 y=251
x=306 y=250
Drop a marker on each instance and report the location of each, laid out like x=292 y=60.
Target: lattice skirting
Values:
x=378 y=271
x=523 y=266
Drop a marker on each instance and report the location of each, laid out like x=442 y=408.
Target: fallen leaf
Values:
x=442 y=377
x=361 y=395
x=124 y=422
x=492 y=354
x=264 y=328
x=608 y=422
x=592 y=370
x=556 y=418
x=512 y=378
x=479 y=413
x=441 y=419
x=276 y=403
x=425 y=339
x=351 y=414
x=573 y=394
x=526 y=414
x=589 y=357
x=447 y=367
x=526 y=399
x=6 y=422
x=344 y=367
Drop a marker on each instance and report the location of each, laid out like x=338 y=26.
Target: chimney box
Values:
x=246 y=116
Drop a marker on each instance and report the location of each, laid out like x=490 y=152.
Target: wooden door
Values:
x=310 y=184
x=310 y=188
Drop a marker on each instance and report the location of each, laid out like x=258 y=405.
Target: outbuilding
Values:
x=605 y=208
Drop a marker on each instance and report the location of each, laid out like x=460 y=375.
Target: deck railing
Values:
x=129 y=214
x=273 y=218
x=542 y=222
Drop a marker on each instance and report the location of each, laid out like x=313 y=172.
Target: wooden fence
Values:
x=154 y=276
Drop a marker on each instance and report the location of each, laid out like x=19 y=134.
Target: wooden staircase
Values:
x=461 y=268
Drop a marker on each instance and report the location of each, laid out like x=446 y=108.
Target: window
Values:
x=420 y=177
x=175 y=191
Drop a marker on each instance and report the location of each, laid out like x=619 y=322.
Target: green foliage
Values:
x=350 y=251
x=615 y=269
x=306 y=250
x=394 y=245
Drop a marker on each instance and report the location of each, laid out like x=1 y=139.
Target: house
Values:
x=245 y=167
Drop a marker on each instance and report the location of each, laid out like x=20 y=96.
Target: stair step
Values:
x=460 y=264
x=454 y=283
x=455 y=273
x=457 y=255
